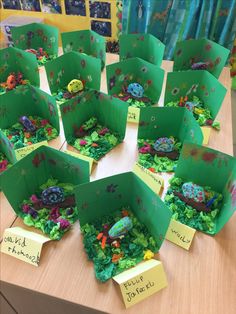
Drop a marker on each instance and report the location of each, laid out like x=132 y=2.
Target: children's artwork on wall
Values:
x=100 y=9
x=75 y=7
x=101 y=27
x=11 y=4
x=31 y=5
x=51 y=6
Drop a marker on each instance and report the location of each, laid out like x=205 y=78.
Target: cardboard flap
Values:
x=28 y=100
x=85 y=41
x=135 y=70
x=191 y=51
x=73 y=65
x=104 y=196
x=36 y=168
x=144 y=46
x=109 y=111
x=36 y=35
x=195 y=83
x=15 y=60
x=165 y=121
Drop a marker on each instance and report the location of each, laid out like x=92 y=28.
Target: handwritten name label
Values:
x=22 y=152
x=133 y=114
x=180 y=234
x=141 y=281
x=153 y=180
x=206 y=131
x=23 y=244
x=80 y=156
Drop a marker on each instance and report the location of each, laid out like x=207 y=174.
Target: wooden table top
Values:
x=201 y=280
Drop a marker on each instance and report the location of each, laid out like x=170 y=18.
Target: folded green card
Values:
x=144 y=46
x=73 y=66
x=85 y=41
x=142 y=221
x=37 y=38
x=17 y=68
x=203 y=192
x=199 y=91
x=26 y=185
x=135 y=81
x=161 y=134
x=202 y=54
x=94 y=123
x=35 y=105
x=7 y=155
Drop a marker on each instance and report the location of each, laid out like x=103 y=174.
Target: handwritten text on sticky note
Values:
x=180 y=234
x=23 y=244
x=206 y=131
x=142 y=281
x=22 y=152
x=133 y=114
x=153 y=180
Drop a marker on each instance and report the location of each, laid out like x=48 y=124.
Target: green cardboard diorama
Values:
x=135 y=81
x=200 y=54
x=198 y=91
x=72 y=74
x=120 y=226
x=17 y=68
x=161 y=134
x=28 y=116
x=202 y=194
x=7 y=155
x=143 y=46
x=44 y=197
x=39 y=39
x=85 y=41
x=94 y=123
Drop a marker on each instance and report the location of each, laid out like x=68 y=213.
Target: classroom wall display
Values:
x=75 y=7
x=51 y=6
x=101 y=27
x=31 y=5
x=104 y=17
x=11 y=4
x=100 y=9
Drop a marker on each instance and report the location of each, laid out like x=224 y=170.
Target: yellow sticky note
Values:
x=180 y=234
x=80 y=156
x=22 y=244
x=153 y=180
x=133 y=114
x=141 y=281
x=22 y=152
x=206 y=131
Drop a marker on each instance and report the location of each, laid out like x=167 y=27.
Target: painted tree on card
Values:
x=200 y=54
x=44 y=197
x=17 y=68
x=85 y=41
x=135 y=81
x=199 y=91
x=143 y=46
x=28 y=116
x=202 y=194
x=38 y=39
x=94 y=123
x=72 y=74
x=161 y=134
x=120 y=226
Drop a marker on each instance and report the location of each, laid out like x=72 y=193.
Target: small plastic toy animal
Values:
x=75 y=86
x=28 y=125
x=53 y=195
